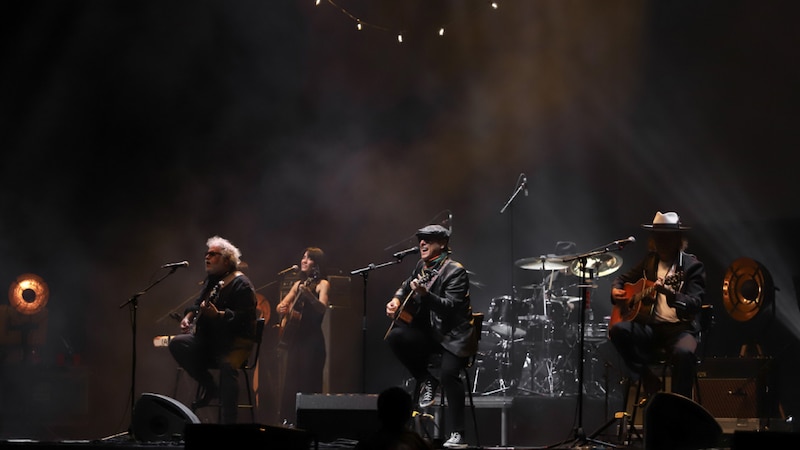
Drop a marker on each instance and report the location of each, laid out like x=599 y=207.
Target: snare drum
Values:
x=505 y=312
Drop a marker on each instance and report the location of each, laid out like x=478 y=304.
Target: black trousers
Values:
x=197 y=357
x=415 y=349
x=639 y=345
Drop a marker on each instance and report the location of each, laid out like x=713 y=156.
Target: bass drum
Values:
x=593 y=332
x=504 y=316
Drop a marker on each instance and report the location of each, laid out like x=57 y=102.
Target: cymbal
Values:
x=602 y=265
x=543 y=262
x=565 y=299
x=531 y=286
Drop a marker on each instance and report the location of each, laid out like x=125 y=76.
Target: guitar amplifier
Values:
x=286 y=285
x=734 y=391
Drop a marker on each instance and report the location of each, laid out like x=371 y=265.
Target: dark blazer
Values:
x=238 y=301
x=689 y=298
x=446 y=308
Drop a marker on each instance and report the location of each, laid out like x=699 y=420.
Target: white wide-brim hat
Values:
x=668 y=221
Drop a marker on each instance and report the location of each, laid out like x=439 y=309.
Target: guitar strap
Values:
x=438 y=272
x=228 y=278
x=225 y=282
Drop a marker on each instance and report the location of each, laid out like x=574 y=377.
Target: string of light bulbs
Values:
x=362 y=24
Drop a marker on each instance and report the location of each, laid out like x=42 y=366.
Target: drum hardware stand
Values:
x=580 y=437
x=504 y=365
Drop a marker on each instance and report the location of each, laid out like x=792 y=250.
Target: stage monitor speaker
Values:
x=674 y=422
x=157 y=417
x=245 y=436
x=338 y=416
x=761 y=440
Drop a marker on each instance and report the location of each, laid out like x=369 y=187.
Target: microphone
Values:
x=625 y=241
x=403 y=253
x=525 y=183
x=175 y=265
x=288 y=269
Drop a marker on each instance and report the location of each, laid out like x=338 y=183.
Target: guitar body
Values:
x=410 y=307
x=212 y=298
x=291 y=321
x=639 y=305
x=641 y=300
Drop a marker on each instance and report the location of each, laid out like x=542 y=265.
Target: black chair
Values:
x=706 y=320
x=249 y=367
x=248 y=370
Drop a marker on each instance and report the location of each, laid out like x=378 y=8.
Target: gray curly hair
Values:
x=228 y=250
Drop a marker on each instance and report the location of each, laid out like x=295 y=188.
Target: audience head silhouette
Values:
x=395 y=406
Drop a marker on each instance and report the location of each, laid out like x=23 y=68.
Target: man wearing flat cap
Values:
x=435 y=320
x=656 y=305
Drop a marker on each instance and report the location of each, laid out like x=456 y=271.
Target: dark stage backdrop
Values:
x=132 y=132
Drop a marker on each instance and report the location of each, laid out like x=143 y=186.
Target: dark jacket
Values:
x=238 y=300
x=446 y=308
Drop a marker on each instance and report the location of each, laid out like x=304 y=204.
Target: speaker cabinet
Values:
x=157 y=417
x=342 y=327
x=672 y=421
x=246 y=436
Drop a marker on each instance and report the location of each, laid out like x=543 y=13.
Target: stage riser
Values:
x=530 y=421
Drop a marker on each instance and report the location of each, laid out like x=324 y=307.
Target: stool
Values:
x=661 y=364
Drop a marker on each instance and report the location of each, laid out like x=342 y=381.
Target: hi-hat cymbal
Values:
x=544 y=262
x=565 y=299
x=531 y=286
x=601 y=265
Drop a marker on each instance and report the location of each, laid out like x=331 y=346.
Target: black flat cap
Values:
x=436 y=231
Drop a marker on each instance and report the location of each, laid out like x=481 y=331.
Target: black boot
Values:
x=206 y=394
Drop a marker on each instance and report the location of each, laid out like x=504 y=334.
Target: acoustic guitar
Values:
x=408 y=309
x=641 y=300
x=211 y=300
x=290 y=322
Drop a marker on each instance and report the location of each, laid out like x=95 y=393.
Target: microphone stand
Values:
x=134 y=306
x=580 y=438
x=521 y=185
x=364 y=272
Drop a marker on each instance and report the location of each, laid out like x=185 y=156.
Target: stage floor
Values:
x=338 y=421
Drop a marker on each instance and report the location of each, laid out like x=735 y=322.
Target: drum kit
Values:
x=534 y=342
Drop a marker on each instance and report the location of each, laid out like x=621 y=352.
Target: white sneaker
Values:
x=456 y=441
x=427 y=393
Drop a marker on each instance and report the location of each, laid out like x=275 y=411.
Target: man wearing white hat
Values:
x=655 y=307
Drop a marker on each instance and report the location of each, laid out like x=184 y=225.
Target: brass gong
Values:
x=29 y=294
x=747 y=289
